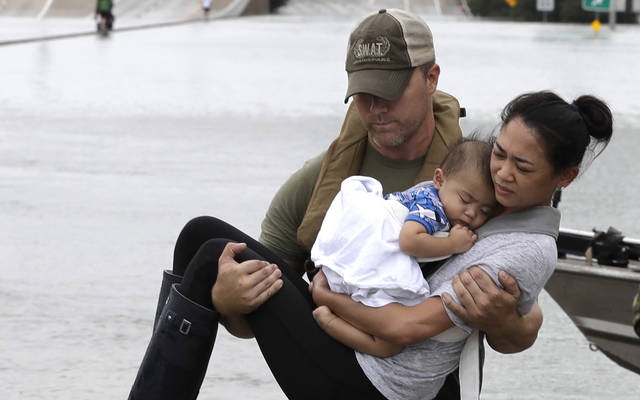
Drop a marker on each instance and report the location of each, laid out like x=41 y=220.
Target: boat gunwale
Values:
x=578 y=266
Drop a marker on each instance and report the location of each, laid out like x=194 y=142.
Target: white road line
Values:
x=45 y=9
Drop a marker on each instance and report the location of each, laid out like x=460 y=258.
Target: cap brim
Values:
x=388 y=84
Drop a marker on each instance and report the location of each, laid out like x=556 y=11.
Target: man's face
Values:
x=393 y=123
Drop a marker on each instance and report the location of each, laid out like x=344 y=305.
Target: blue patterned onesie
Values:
x=424 y=207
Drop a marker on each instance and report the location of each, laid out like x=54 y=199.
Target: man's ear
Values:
x=438 y=178
x=432 y=78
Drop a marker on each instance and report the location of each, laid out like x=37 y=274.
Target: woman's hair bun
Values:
x=596 y=116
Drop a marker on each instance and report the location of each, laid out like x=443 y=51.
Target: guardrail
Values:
x=223 y=9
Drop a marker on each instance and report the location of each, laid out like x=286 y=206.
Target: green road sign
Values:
x=596 y=5
x=602 y=5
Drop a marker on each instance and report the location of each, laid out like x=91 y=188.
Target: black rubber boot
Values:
x=168 y=279
x=178 y=354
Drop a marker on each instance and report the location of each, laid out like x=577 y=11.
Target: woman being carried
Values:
x=538 y=151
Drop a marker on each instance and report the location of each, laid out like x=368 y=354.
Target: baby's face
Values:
x=466 y=198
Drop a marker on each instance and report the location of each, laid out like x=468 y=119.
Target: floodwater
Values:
x=108 y=146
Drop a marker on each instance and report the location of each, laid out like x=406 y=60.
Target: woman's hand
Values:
x=490 y=309
x=483 y=303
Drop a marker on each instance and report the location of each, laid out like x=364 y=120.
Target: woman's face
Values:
x=521 y=172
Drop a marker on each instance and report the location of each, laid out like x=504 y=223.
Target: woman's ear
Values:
x=438 y=178
x=567 y=176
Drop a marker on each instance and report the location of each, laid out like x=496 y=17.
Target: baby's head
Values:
x=464 y=184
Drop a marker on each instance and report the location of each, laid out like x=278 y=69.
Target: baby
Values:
x=368 y=244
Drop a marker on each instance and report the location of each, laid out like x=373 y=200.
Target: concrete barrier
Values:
x=19 y=8
x=134 y=15
x=70 y=8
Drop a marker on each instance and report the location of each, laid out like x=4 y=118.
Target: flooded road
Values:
x=108 y=146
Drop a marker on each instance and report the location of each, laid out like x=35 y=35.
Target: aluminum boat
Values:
x=595 y=282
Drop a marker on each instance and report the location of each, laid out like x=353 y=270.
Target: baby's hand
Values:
x=462 y=238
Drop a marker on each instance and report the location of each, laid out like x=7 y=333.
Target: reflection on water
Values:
x=109 y=146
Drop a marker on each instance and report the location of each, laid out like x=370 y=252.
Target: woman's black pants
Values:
x=305 y=361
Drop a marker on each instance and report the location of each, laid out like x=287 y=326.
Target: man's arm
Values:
x=490 y=309
x=352 y=337
x=286 y=211
x=241 y=288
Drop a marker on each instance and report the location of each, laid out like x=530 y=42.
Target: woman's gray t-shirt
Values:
x=528 y=254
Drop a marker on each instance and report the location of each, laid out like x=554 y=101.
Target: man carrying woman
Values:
x=256 y=290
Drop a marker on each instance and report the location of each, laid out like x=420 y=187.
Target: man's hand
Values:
x=490 y=309
x=242 y=287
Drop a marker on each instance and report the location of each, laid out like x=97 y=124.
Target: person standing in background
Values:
x=104 y=11
x=206 y=6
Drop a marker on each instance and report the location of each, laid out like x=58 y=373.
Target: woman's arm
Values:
x=490 y=309
x=520 y=334
x=349 y=335
x=394 y=322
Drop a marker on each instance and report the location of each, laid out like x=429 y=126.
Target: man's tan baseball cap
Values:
x=383 y=50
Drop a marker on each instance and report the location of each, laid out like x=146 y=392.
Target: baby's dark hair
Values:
x=469 y=153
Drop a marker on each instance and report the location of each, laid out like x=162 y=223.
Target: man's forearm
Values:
x=517 y=335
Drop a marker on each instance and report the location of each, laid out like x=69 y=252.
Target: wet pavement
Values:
x=110 y=145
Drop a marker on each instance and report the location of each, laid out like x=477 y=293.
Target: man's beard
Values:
x=393 y=137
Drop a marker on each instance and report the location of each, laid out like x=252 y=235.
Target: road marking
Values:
x=45 y=9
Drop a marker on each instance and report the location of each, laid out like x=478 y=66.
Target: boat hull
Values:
x=598 y=300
